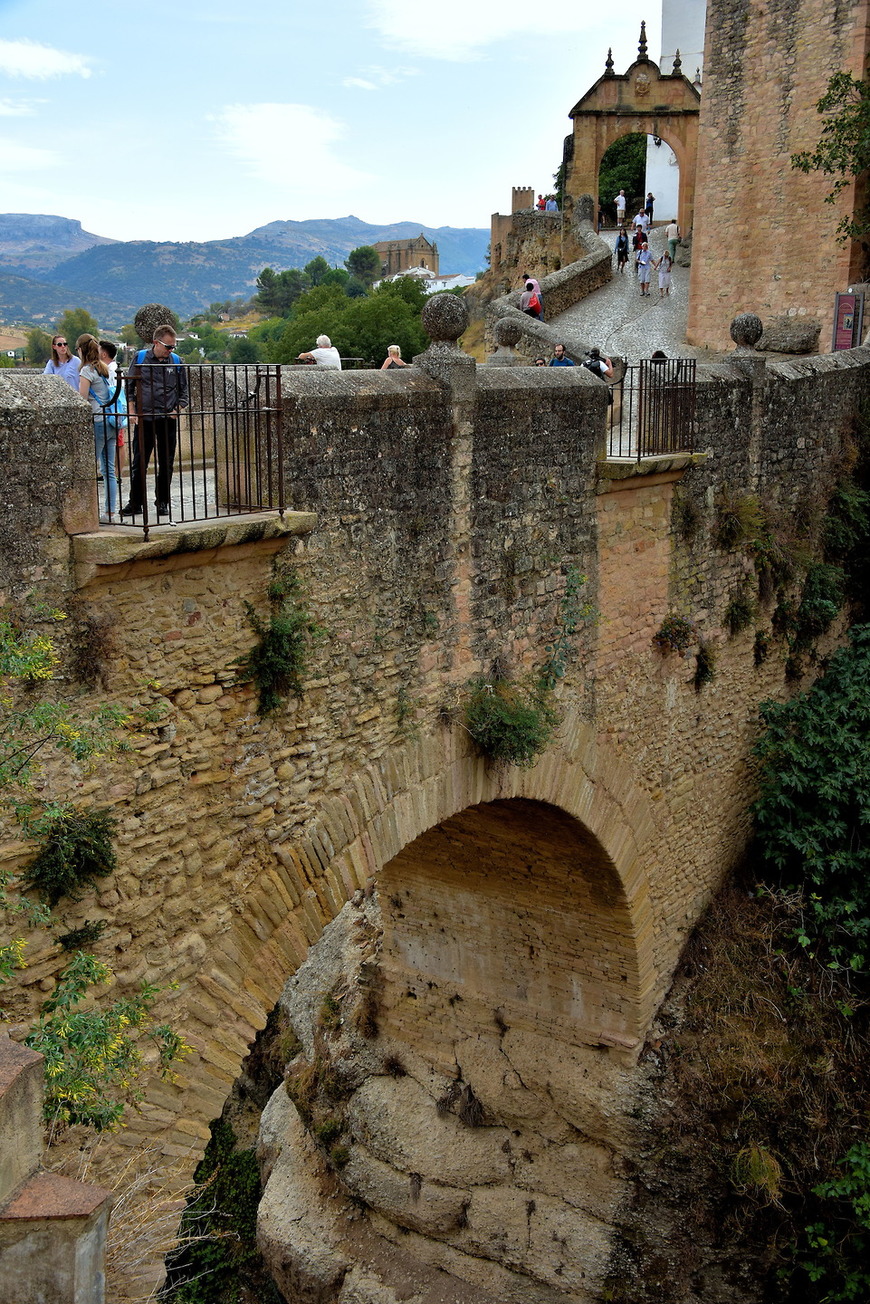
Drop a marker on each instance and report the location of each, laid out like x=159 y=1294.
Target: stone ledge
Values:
x=15 y=1060
x=48 y=1195
x=628 y=473
x=119 y=553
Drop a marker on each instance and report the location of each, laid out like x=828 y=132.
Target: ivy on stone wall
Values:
x=277 y=663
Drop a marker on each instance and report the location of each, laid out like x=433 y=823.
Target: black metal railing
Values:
x=653 y=410
x=197 y=442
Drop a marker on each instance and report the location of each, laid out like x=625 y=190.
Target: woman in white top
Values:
x=94 y=386
x=63 y=362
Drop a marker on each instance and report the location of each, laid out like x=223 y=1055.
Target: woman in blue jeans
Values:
x=94 y=386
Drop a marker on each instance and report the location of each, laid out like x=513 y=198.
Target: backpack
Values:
x=115 y=407
x=534 y=303
x=594 y=365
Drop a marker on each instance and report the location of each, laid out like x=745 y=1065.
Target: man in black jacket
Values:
x=157 y=383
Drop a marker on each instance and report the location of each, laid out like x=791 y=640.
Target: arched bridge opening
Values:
x=509 y=913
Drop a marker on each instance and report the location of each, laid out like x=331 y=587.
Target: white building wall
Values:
x=683 y=23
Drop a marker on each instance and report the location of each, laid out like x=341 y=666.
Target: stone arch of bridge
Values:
x=512 y=912
x=298 y=887
x=642 y=100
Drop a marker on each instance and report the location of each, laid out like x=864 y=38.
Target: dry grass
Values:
x=149 y=1196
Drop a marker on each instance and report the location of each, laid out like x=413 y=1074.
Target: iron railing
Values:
x=200 y=442
x=653 y=410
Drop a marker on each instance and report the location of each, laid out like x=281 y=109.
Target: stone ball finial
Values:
x=445 y=317
x=147 y=320
x=506 y=332
x=746 y=330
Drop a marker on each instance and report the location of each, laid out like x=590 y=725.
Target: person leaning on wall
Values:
x=325 y=355
x=393 y=358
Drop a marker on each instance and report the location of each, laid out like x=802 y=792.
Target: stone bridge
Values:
x=447 y=523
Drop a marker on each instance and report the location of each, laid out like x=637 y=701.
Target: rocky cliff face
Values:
x=473 y=1163
x=39 y=241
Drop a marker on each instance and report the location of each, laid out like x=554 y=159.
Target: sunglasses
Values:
x=60 y=344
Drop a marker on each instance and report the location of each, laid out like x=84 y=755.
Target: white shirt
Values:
x=327 y=358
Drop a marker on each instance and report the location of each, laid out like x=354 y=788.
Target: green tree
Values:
x=843 y=151
x=336 y=276
x=812 y=816
x=407 y=288
x=266 y=336
x=38 y=347
x=244 y=351
x=278 y=291
x=364 y=263
x=76 y=322
x=623 y=167
x=316 y=270
x=130 y=336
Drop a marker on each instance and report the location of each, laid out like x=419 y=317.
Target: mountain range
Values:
x=49 y=264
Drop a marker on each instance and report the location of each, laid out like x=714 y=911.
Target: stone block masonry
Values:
x=441 y=511
x=764 y=239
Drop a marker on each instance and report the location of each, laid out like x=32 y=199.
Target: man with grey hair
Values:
x=324 y=355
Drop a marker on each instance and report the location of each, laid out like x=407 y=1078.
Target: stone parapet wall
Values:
x=764 y=239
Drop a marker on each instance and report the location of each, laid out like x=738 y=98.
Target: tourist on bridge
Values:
x=598 y=363
x=644 y=265
x=642 y=220
x=325 y=355
x=672 y=235
x=525 y=279
x=530 y=302
x=157 y=388
x=94 y=385
x=393 y=358
x=620 y=208
x=664 y=265
x=621 y=250
x=648 y=206
x=63 y=362
x=559 y=359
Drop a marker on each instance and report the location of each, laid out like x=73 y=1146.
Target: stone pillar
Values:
x=445 y=317
x=52 y=1229
x=746 y=331
x=507 y=336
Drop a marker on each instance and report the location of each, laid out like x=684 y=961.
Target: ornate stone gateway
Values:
x=645 y=100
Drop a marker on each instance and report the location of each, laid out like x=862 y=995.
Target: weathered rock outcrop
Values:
x=394 y=1173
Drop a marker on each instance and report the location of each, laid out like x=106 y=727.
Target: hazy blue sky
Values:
x=206 y=119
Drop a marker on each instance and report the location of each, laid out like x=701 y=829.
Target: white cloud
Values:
x=374 y=77
x=29 y=59
x=459 y=31
x=25 y=158
x=17 y=108
x=288 y=145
